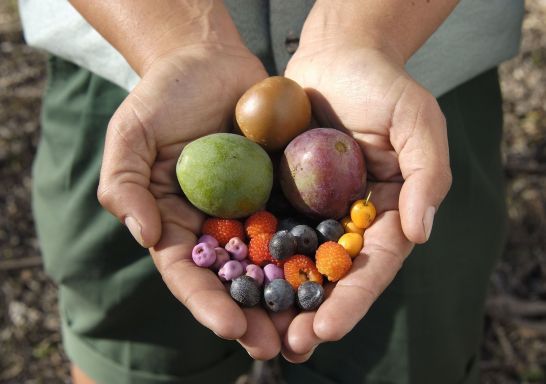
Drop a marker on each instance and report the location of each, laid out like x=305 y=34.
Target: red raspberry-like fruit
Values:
x=258 y=249
x=260 y=222
x=298 y=269
x=223 y=229
x=333 y=261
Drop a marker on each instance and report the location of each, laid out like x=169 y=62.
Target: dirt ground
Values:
x=514 y=346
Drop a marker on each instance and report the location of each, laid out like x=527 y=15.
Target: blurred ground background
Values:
x=514 y=347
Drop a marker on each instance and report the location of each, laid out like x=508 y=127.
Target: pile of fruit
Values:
x=285 y=203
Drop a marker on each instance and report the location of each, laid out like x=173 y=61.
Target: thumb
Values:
x=129 y=152
x=419 y=136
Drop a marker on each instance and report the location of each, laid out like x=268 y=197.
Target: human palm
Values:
x=402 y=133
x=182 y=96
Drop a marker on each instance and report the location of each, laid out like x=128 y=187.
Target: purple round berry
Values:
x=245 y=291
x=230 y=270
x=278 y=295
x=282 y=245
x=203 y=255
x=330 y=230
x=306 y=239
x=237 y=248
x=310 y=295
x=209 y=240
x=272 y=272
x=256 y=273
x=222 y=257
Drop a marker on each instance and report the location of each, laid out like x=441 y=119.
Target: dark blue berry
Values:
x=282 y=245
x=278 y=295
x=310 y=295
x=245 y=291
x=330 y=230
x=306 y=239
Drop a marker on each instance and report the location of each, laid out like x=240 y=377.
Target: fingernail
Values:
x=428 y=220
x=134 y=228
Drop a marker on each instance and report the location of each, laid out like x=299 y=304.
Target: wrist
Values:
x=397 y=28
x=143 y=30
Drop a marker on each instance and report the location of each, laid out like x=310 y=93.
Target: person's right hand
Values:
x=186 y=94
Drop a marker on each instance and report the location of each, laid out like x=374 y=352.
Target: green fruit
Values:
x=225 y=175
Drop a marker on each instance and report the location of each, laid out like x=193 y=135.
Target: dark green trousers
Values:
x=121 y=325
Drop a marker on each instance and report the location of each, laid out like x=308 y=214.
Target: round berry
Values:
x=363 y=213
x=237 y=248
x=209 y=240
x=282 y=245
x=222 y=257
x=352 y=242
x=351 y=227
x=278 y=295
x=230 y=270
x=288 y=223
x=306 y=239
x=310 y=295
x=272 y=272
x=245 y=291
x=330 y=230
x=203 y=255
x=256 y=273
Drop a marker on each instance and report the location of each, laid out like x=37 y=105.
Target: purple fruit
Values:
x=322 y=172
x=222 y=257
x=256 y=273
x=203 y=255
x=272 y=272
x=237 y=248
x=209 y=240
x=230 y=270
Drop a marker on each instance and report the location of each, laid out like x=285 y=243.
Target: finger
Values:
x=300 y=340
x=419 y=136
x=281 y=320
x=125 y=175
x=199 y=289
x=261 y=340
x=384 y=251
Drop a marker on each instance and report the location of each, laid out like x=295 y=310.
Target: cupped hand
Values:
x=402 y=132
x=183 y=95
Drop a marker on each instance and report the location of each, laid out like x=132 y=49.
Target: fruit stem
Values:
x=368 y=198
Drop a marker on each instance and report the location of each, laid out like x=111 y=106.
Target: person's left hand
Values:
x=402 y=132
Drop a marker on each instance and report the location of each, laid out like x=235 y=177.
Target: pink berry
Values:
x=256 y=273
x=245 y=263
x=203 y=255
x=222 y=257
x=272 y=272
x=237 y=248
x=209 y=240
x=230 y=270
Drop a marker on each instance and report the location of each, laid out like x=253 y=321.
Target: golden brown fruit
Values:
x=273 y=112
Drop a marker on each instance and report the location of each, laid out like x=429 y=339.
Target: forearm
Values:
x=399 y=27
x=142 y=30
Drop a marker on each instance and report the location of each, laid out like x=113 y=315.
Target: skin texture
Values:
x=194 y=68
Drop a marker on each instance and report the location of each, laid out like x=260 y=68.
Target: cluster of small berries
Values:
x=284 y=262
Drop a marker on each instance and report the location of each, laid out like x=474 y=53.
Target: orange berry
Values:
x=363 y=213
x=298 y=269
x=351 y=227
x=260 y=222
x=258 y=249
x=223 y=230
x=352 y=242
x=333 y=261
